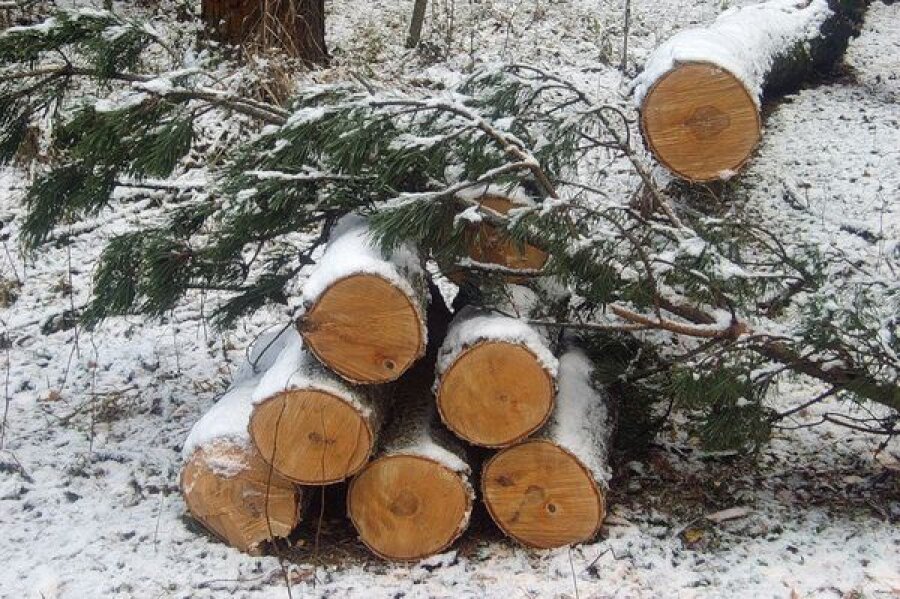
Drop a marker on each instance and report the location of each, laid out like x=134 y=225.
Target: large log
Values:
x=365 y=312
x=549 y=491
x=308 y=423
x=226 y=484
x=416 y=497
x=700 y=92
x=495 y=374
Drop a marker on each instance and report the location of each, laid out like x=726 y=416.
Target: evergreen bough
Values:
x=642 y=270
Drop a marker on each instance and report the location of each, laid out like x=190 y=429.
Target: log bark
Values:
x=226 y=484
x=296 y=27
x=550 y=491
x=365 y=312
x=310 y=425
x=700 y=92
x=415 y=498
x=496 y=375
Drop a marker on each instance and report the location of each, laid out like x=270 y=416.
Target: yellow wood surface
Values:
x=311 y=437
x=234 y=507
x=700 y=122
x=408 y=507
x=493 y=247
x=542 y=496
x=365 y=329
x=495 y=394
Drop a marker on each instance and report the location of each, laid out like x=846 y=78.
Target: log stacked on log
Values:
x=549 y=491
x=297 y=416
x=700 y=92
x=364 y=313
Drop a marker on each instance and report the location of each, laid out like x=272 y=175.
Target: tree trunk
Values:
x=496 y=374
x=226 y=484
x=295 y=26
x=310 y=425
x=701 y=91
x=416 y=497
x=415 y=24
x=549 y=491
x=364 y=312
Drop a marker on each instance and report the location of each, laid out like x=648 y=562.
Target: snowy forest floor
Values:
x=89 y=497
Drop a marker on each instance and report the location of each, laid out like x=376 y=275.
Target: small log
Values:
x=310 y=425
x=487 y=247
x=364 y=312
x=235 y=494
x=700 y=92
x=226 y=484
x=495 y=376
x=549 y=491
x=416 y=497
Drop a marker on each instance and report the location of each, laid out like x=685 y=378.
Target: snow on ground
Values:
x=88 y=471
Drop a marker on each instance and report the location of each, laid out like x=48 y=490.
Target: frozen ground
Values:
x=88 y=471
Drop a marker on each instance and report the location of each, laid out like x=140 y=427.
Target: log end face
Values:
x=311 y=437
x=542 y=496
x=495 y=394
x=407 y=507
x=700 y=122
x=365 y=329
x=225 y=487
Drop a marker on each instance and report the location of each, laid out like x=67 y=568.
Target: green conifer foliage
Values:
x=641 y=273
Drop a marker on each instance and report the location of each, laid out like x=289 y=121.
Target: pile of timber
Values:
x=378 y=384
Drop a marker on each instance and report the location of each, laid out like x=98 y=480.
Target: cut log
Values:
x=495 y=378
x=226 y=484
x=549 y=491
x=415 y=498
x=489 y=248
x=310 y=425
x=365 y=313
x=700 y=92
x=235 y=494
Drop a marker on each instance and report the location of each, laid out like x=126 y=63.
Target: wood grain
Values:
x=700 y=122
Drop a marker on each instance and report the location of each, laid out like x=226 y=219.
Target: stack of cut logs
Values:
x=377 y=383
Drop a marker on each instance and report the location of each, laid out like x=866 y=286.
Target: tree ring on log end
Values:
x=311 y=437
x=495 y=393
x=700 y=122
x=225 y=487
x=365 y=329
x=407 y=507
x=542 y=496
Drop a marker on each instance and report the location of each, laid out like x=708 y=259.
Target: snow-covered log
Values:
x=308 y=423
x=700 y=92
x=416 y=497
x=226 y=484
x=490 y=250
x=549 y=491
x=496 y=374
x=365 y=312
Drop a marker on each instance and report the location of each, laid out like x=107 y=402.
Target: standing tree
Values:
x=294 y=26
